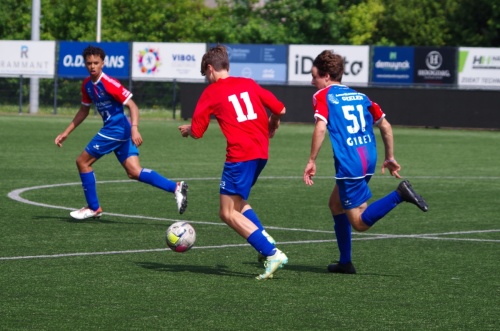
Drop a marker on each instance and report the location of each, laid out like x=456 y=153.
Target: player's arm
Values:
x=388 y=139
x=134 y=122
x=80 y=116
x=317 y=140
x=186 y=131
x=274 y=122
x=200 y=120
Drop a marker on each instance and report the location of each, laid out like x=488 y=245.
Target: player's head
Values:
x=328 y=65
x=94 y=61
x=217 y=58
x=92 y=50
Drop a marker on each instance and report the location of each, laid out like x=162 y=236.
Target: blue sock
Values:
x=380 y=208
x=252 y=216
x=261 y=244
x=343 y=231
x=90 y=189
x=153 y=178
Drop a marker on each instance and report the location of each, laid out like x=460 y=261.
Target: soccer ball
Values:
x=180 y=237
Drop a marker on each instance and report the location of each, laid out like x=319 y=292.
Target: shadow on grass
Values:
x=219 y=270
x=322 y=270
x=68 y=219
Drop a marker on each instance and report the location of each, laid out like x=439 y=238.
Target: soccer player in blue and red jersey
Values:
x=239 y=105
x=349 y=116
x=118 y=135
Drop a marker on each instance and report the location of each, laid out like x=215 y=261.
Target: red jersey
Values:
x=239 y=105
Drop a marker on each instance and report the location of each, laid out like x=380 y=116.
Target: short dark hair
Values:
x=328 y=62
x=93 y=50
x=217 y=57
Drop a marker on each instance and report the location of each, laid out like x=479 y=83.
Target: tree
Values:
x=373 y=22
x=362 y=20
x=414 y=23
x=476 y=23
x=15 y=20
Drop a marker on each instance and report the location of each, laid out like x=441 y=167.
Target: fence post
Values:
x=20 y=94
x=174 y=101
x=56 y=84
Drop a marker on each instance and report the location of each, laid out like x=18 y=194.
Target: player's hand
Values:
x=393 y=167
x=309 y=173
x=60 y=139
x=273 y=126
x=136 y=136
x=185 y=130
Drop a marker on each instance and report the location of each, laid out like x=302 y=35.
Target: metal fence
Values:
x=57 y=94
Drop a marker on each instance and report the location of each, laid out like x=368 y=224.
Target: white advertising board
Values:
x=27 y=58
x=479 y=67
x=301 y=57
x=167 y=61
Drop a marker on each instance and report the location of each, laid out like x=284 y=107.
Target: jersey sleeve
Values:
x=270 y=101
x=320 y=105
x=86 y=100
x=376 y=112
x=201 y=115
x=116 y=90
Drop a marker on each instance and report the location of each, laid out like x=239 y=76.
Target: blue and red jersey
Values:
x=350 y=116
x=109 y=96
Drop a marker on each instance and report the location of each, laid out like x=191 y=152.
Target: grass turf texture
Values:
x=433 y=271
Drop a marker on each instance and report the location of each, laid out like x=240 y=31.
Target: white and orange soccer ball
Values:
x=180 y=236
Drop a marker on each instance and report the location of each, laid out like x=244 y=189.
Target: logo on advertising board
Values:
x=435 y=65
x=479 y=67
x=301 y=57
x=28 y=58
x=393 y=65
x=262 y=63
x=149 y=60
x=167 y=61
x=71 y=63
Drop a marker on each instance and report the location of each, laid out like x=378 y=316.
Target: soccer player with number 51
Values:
x=348 y=116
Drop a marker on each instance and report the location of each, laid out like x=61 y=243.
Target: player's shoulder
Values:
x=321 y=92
x=105 y=79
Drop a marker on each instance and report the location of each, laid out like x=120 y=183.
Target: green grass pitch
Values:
x=416 y=271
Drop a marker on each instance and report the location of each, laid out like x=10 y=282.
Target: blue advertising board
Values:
x=71 y=63
x=262 y=63
x=393 y=65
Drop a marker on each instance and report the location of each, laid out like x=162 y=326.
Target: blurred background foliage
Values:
x=474 y=23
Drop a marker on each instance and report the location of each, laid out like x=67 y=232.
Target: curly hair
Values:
x=328 y=62
x=92 y=50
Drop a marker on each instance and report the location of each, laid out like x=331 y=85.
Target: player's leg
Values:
x=128 y=155
x=275 y=259
x=236 y=182
x=378 y=209
x=228 y=212
x=249 y=213
x=93 y=209
x=343 y=233
x=253 y=173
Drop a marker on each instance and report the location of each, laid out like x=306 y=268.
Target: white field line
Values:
x=436 y=236
x=16 y=195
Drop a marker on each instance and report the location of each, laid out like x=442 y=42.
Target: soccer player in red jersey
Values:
x=239 y=105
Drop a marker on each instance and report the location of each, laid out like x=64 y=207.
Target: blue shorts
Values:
x=239 y=177
x=354 y=192
x=100 y=146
